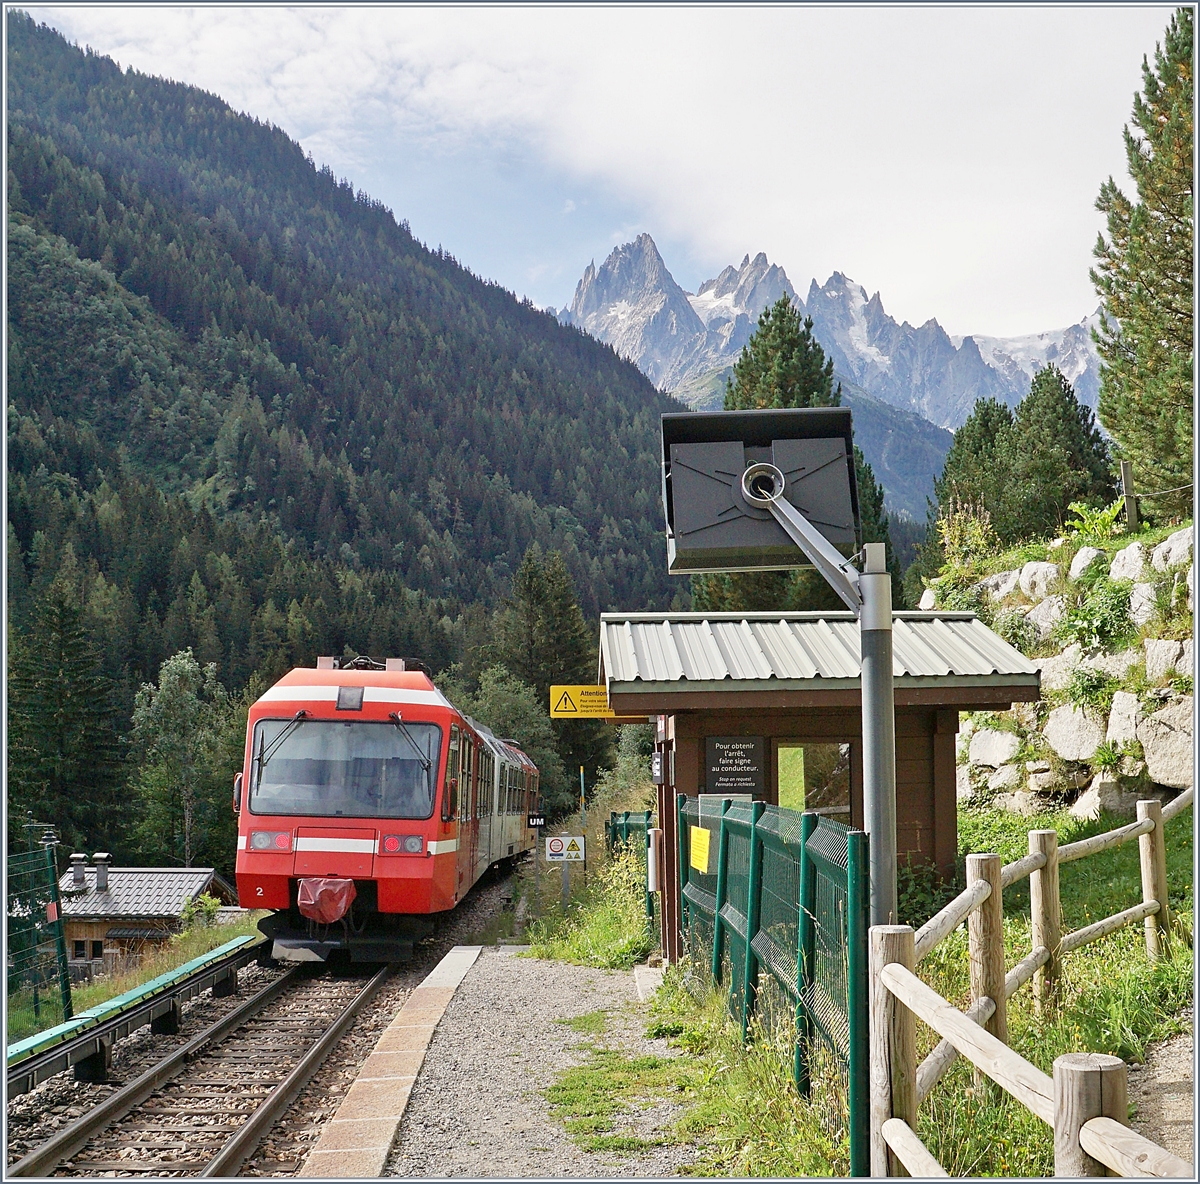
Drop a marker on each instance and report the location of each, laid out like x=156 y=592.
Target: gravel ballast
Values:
x=477 y=1109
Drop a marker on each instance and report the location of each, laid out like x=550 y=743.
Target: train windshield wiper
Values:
x=268 y=752
x=426 y=763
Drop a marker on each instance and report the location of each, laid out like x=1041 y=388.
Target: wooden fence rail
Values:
x=1085 y=1103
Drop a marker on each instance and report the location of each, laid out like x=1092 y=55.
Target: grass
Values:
x=590 y=1099
x=591 y=1023
x=741 y=1108
x=606 y=926
x=180 y=949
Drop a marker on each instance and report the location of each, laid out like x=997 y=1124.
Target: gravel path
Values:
x=1163 y=1091
x=477 y=1108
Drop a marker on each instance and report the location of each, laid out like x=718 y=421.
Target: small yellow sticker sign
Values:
x=698 y=837
x=575 y=702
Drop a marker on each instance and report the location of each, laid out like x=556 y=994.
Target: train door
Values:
x=465 y=786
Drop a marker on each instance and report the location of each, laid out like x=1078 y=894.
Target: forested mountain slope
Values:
x=211 y=339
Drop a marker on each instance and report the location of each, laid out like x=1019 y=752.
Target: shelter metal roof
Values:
x=137 y=891
x=799 y=651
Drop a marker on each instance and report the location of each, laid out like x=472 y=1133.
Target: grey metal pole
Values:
x=879 y=732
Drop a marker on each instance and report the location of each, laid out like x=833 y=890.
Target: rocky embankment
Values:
x=1111 y=631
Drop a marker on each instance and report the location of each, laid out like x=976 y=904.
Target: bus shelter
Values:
x=769 y=705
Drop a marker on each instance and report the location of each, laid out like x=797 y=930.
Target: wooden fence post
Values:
x=1153 y=850
x=985 y=943
x=893 y=1060
x=1045 y=912
x=1087 y=1085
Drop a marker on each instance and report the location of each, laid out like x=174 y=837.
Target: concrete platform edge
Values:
x=349 y=1146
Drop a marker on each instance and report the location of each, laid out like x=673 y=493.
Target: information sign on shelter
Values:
x=580 y=702
x=735 y=765
x=565 y=849
x=698 y=842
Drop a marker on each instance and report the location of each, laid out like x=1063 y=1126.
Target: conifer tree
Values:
x=783 y=365
x=542 y=638
x=1144 y=277
x=64 y=756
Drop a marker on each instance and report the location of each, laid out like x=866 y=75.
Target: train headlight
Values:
x=401 y=844
x=270 y=840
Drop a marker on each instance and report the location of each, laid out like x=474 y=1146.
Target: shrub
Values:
x=1012 y=625
x=966 y=534
x=1092 y=688
x=1089 y=522
x=1102 y=619
x=1107 y=757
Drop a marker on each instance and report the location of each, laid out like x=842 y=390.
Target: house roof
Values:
x=138 y=891
x=673 y=654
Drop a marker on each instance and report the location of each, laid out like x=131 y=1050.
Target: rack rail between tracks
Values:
x=1085 y=1102
x=213 y=1053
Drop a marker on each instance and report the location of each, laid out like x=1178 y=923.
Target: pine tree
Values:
x=783 y=365
x=542 y=638
x=64 y=756
x=1144 y=277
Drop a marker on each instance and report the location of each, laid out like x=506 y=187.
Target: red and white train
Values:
x=366 y=805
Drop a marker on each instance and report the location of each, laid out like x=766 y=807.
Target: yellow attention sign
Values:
x=698 y=837
x=587 y=702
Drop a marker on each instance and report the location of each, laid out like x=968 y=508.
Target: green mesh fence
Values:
x=778 y=911
x=629 y=829
x=38 y=979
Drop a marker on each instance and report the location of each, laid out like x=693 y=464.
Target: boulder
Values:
x=993 y=748
x=1037 y=579
x=1174 y=550
x=1161 y=657
x=1123 y=718
x=1072 y=733
x=928 y=601
x=1142 y=603
x=1115 y=665
x=1041 y=782
x=1184 y=665
x=1057 y=671
x=962 y=783
x=1128 y=563
x=1045 y=615
x=1084 y=558
x=1106 y=792
x=1007 y=777
x=1021 y=802
x=1002 y=584
x=1037 y=766
x=1054 y=544
x=1166 y=738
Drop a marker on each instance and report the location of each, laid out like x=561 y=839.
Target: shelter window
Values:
x=80 y=950
x=814 y=777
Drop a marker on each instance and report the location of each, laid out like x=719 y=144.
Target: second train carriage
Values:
x=367 y=804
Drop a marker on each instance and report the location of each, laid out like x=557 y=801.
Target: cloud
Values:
x=949 y=157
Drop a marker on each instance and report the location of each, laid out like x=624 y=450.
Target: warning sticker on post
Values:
x=698 y=837
x=565 y=849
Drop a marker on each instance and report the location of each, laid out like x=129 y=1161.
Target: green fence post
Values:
x=625 y=829
x=722 y=854
x=753 y=909
x=685 y=857
x=60 y=940
x=804 y=947
x=858 y=903
x=649 y=897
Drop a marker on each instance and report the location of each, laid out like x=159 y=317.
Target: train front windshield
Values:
x=350 y=768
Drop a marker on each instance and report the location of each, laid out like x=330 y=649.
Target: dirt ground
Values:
x=1163 y=1091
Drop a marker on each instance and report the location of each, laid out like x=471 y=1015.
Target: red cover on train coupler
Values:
x=324 y=899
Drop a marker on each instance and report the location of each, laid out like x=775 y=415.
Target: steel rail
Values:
x=42 y=1160
x=23 y=1076
x=241 y=1145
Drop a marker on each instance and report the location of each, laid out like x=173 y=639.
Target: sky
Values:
x=947 y=157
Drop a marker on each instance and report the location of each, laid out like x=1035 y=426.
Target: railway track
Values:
x=202 y=1109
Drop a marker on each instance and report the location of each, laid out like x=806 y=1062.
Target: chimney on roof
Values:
x=78 y=863
x=326 y=663
x=394 y=664
x=101 y=859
